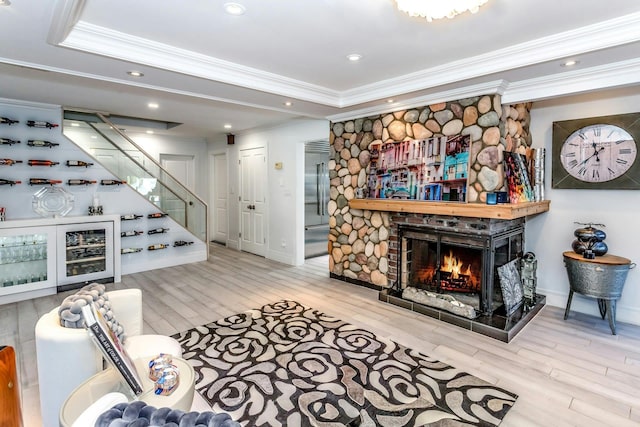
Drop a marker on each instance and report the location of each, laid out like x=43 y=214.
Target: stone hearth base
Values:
x=497 y=326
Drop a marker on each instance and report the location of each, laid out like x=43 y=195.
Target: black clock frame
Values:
x=561 y=179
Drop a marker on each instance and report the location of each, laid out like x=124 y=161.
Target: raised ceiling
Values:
x=206 y=68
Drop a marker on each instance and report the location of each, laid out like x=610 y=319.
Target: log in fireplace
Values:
x=446 y=267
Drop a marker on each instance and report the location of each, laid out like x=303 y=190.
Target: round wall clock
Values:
x=597 y=153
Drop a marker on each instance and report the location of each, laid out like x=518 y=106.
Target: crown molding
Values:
x=114 y=44
x=30 y=104
x=614 y=32
x=65 y=16
x=607 y=76
x=488 y=88
x=147 y=86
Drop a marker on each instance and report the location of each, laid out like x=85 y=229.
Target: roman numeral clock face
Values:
x=597 y=153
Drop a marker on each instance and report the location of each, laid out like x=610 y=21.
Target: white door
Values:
x=219 y=196
x=253 y=176
x=182 y=169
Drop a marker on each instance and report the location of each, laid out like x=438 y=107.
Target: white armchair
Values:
x=66 y=356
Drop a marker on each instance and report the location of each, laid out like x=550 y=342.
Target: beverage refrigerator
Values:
x=85 y=254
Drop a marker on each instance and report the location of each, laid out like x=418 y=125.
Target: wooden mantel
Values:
x=475 y=210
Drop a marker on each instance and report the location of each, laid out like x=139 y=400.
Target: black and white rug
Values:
x=290 y=365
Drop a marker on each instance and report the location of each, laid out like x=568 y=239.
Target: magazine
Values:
x=111 y=347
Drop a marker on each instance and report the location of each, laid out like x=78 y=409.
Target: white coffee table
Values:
x=110 y=381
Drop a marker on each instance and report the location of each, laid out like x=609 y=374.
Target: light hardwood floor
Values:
x=567 y=373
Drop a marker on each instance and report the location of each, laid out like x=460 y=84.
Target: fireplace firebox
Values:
x=460 y=264
x=446 y=267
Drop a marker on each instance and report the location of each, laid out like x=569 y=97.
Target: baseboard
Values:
x=281 y=257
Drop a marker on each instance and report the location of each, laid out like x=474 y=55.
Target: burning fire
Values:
x=454 y=266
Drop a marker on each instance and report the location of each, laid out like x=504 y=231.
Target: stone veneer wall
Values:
x=359 y=239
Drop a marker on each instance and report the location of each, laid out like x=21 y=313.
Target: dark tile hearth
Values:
x=496 y=325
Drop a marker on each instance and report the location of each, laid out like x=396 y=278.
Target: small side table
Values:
x=601 y=278
x=109 y=380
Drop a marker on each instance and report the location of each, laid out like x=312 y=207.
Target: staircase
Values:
x=108 y=145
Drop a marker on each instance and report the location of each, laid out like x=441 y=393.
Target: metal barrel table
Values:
x=601 y=278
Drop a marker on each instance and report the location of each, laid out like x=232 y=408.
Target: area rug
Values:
x=290 y=365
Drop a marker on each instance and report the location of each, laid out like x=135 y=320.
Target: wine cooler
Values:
x=26 y=260
x=86 y=254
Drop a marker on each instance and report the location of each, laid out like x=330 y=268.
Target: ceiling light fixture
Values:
x=134 y=73
x=152 y=105
x=234 y=9
x=227 y=126
x=354 y=57
x=570 y=63
x=389 y=101
x=438 y=9
x=288 y=104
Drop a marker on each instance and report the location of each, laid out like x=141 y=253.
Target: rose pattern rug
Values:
x=290 y=365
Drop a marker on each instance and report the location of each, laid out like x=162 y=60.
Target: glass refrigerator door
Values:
x=27 y=261
x=87 y=253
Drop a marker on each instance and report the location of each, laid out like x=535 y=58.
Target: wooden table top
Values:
x=604 y=259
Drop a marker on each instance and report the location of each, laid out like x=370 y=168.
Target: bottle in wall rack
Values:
x=157 y=215
x=41 y=124
x=158 y=231
x=182 y=243
x=129 y=217
x=80 y=182
x=130 y=250
x=111 y=182
x=78 y=163
x=157 y=246
x=130 y=233
x=42 y=163
x=41 y=143
x=7 y=141
x=44 y=181
x=9 y=182
x=7 y=121
x=9 y=162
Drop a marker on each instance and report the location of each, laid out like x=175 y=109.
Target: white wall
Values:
x=285 y=194
x=550 y=234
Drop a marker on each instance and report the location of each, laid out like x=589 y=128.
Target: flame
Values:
x=454 y=266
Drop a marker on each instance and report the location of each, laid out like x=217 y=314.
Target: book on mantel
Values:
x=518 y=182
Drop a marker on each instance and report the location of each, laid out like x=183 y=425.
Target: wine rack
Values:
x=130 y=217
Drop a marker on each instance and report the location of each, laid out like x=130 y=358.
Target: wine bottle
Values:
x=7 y=141
x=78 y=163
x=9 y=182
x=182 y=243
x=9 y=162
x=43 y=181
x=130 y=250
x=158 y=231
x=130 y=233
x=157 y=215
x=41 y=124
x=129 y=217
x=41 y=143
x=157 y=246
x=111 y=182
x=7 y=121
x=42 y=163
x=80 y=182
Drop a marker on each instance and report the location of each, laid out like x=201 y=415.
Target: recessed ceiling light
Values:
x=288 y=104
x=152 y=105
x=227 y=126
x=5 y=3
x=234 y=9
x=570 y=63
x=389 y=101
x=354 y=57
x=134 y=73
x=150 y=132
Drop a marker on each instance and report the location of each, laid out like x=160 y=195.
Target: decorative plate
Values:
x=52 y=201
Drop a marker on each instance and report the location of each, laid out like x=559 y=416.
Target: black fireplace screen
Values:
x=462 y=265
